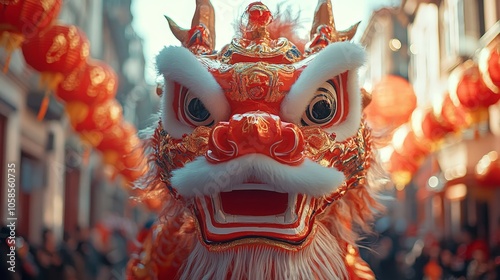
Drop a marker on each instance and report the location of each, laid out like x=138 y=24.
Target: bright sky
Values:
x=150 y=24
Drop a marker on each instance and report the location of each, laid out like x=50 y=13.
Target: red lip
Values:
x=255 y=213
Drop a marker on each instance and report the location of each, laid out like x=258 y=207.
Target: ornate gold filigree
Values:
x=262 y=49
x=72 y=80
x=73 y=37
x=259 y=81
x=58 y=48
x=47 y=4
x=85 y=50
x=173 y=153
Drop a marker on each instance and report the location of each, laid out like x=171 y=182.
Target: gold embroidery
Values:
x=58 y=48
x=72 y=80
x=85 y=50
x=252 y=120
x=257 y=81
x=263 y=49
x=111 y=85
x=47 y=4
x=73 y=37
x=97 y=75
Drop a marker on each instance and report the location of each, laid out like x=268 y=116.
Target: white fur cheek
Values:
x=171 y=124
x=350 y=126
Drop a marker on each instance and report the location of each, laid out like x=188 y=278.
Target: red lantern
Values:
x=56 y=52
x=469 y=89
x=401 y=162
x=427 y=126
x=118 y=141
x=402 y=169
x=90 y=118
x=117 y=138
x=94 y=83
x=22 y=20
x=453 y=116
x=122 y=149
x=489 y=65
x=406 y=143
x=393 y=100
x=488 y=170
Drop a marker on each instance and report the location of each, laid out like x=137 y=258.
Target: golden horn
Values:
x=178 y=32
x=346 y=35
x=205 y=14
x=322 y=15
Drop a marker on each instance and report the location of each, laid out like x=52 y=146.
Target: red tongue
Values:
x=254 y=202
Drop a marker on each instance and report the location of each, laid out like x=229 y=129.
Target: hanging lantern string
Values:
x=10 y=41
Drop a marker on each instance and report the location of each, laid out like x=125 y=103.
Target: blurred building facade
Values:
x=61 y=183
x=424 y=41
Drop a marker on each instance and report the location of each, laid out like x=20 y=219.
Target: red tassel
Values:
x=43 y=107
x=7 y=63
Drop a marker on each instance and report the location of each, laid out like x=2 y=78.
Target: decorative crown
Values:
x=253 y=43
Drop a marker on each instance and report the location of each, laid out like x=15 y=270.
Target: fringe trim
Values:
x=322 y=259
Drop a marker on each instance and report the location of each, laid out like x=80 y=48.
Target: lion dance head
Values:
x=260 y=157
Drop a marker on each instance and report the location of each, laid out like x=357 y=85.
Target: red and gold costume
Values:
x=260 y=157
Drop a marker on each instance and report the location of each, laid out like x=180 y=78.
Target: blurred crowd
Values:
x=98 y=253
x=394 y=255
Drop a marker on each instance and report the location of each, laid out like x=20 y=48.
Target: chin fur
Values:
x=321 y=259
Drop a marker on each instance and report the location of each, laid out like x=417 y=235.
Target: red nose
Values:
x=256 y=133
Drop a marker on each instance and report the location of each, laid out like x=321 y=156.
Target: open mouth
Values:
x=252 y=210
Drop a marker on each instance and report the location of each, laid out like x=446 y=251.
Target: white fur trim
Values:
x=322 y=260
x=330 y=62
x=177 y=64
x=202 y=178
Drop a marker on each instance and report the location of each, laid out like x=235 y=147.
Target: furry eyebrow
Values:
x=332 y=61
x=179 y=65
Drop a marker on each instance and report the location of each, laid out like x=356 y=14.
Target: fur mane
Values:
x=340 y=223
x=179 y=251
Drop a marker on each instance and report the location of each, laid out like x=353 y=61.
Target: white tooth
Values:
x=290 y=216
x=292 y=200
x=280 y=219
x=220 y=217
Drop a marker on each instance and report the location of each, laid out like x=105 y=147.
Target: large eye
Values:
x=193 y=111
x=323 y=107
x=196 y=110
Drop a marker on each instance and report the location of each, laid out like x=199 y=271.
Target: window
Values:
x=424 y=49
x=452 y=29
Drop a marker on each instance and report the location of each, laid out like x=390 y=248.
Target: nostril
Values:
x=292 y=141
x=220 y=148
